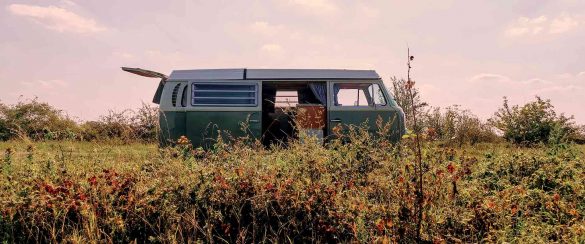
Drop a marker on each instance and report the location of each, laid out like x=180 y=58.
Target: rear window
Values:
x=224 y=94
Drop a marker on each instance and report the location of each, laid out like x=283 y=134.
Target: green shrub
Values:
x=126 y=126
x=35 y=120
x=4 y=130
x=533 y=123
x=401 y=96
x=40 y=121
x=456 y=126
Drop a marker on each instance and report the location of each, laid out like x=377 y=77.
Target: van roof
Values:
x=271 y=74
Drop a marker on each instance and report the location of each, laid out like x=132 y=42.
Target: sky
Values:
x=467 y=52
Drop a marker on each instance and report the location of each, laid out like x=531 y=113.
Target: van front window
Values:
x=358 y=94
x=224 y=94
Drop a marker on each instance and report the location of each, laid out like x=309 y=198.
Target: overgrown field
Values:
x=363 y=191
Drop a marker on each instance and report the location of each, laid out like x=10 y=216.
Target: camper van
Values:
x=272 y=105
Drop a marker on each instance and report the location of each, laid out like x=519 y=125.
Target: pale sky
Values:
x=467 y=52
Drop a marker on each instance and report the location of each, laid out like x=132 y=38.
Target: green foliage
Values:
x=4 y=130
x=361 y=191
x=401 y=96
x=40 y=121
x=534 y=122
x=126 y=126
x=35 y=120
x=454 y=125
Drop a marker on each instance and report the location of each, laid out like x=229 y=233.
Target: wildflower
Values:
x=92 y=180
x=549 y=205
x=269 y=186
x=81 y=197
x=410 y=84
x=183 y=140
x=514 y=209
x=451 y=167
x=50 y=189
x=380 y=225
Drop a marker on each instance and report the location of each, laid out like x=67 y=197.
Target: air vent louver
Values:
x=174 y=96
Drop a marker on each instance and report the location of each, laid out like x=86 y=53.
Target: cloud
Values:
x=525 y=26
x=563 y=90
x=563 y=24
x=487 y=77
x=536 y=81
x=56 y=18
x=67 y=3
x=316 y=7
x=272 y=48
x=45 y=84
x=264 y=28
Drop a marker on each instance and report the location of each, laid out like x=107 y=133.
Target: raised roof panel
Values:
x=207 y=74
x=284 y=74
x=271 y=74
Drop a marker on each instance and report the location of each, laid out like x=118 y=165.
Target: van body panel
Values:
x=310 y=74
x=207 y=74
x=172 y=126
x=346 y=116
x=203 y=127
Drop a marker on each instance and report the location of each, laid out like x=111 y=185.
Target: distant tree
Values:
x=402 y=97
x=534 y=122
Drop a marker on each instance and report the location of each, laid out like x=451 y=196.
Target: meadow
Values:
x=364 y=191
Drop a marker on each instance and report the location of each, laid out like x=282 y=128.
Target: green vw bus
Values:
x=272 y=105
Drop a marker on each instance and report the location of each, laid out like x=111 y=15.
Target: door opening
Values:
x=290 y=107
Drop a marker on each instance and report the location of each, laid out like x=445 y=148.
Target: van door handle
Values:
x=254 y=121
x=335 y=120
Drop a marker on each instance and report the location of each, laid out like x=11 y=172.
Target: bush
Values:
x=533 y=123
x=456 y=126
x=145 y=123
x=126 y=126
x=40 y=121
x=35 y=120
x=579 y=135
x=4 y=130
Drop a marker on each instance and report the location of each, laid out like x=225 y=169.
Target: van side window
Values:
x=224 y=94
x=358 y=95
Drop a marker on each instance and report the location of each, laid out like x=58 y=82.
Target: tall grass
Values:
x=362 y=191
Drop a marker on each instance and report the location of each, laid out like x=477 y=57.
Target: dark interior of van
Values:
x=288 y=107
